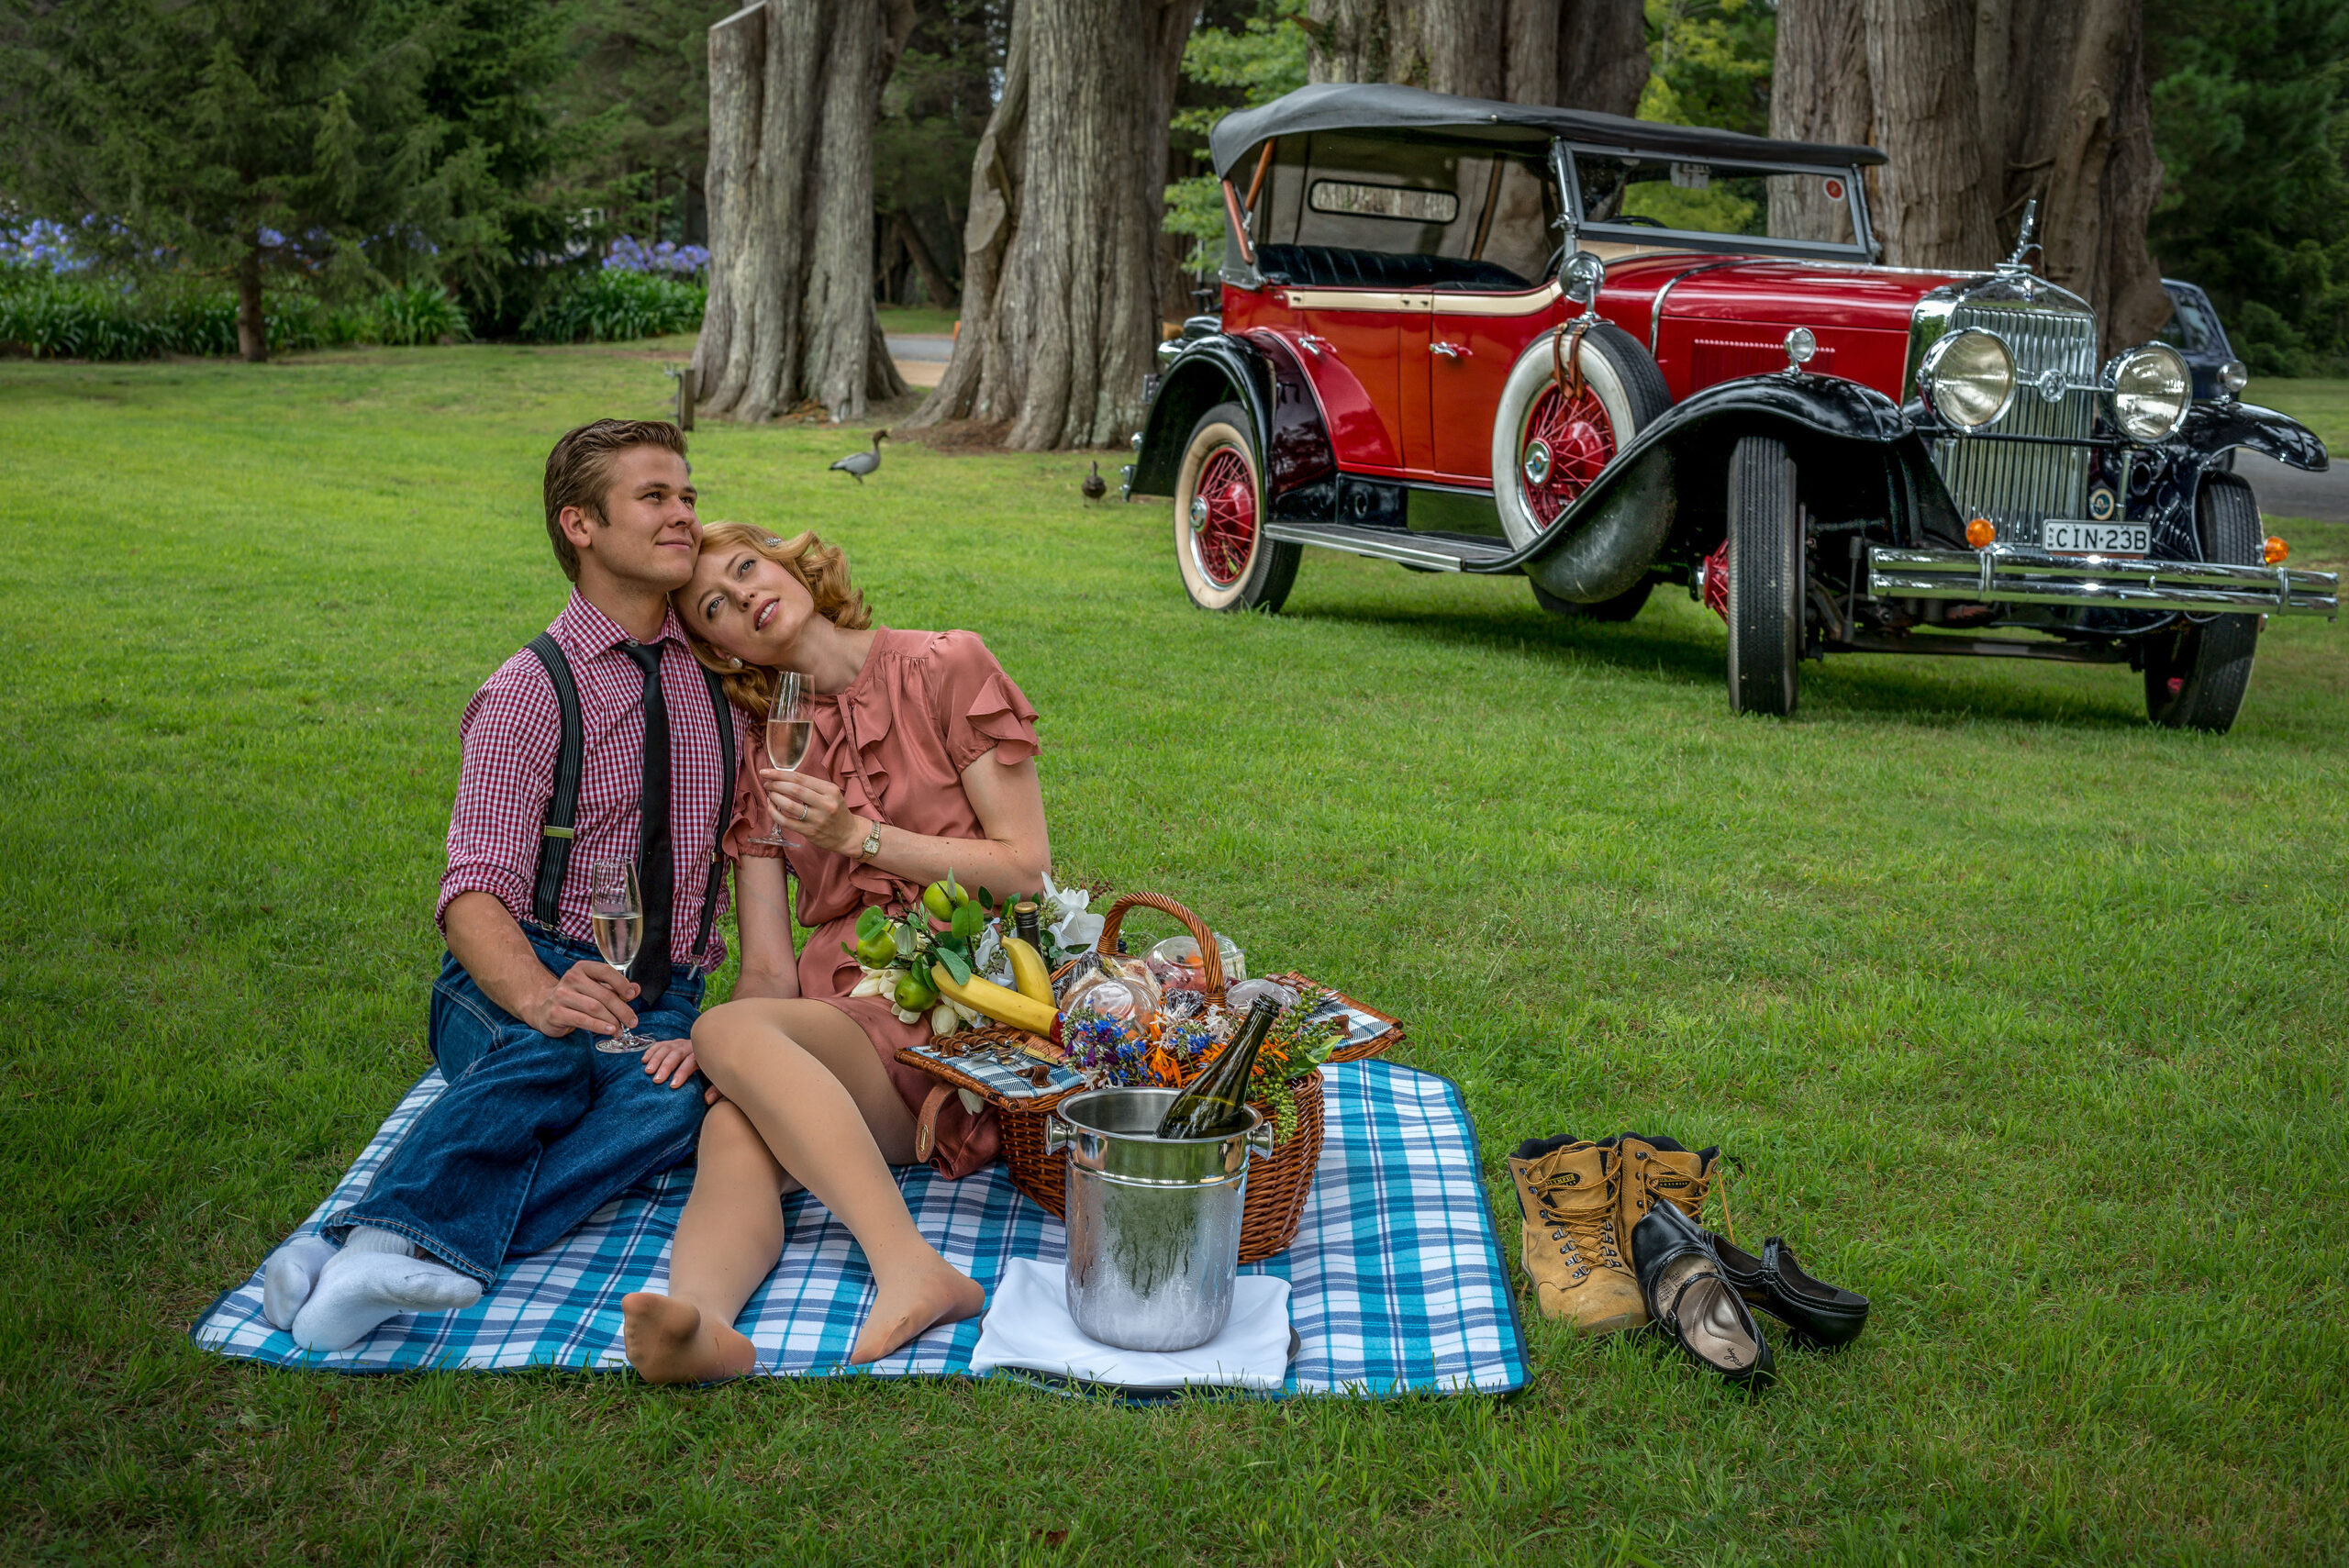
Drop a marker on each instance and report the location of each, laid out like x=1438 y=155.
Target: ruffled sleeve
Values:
x=751 y=817
x=980 y=709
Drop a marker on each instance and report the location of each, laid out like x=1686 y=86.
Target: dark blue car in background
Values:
x=2194 y=331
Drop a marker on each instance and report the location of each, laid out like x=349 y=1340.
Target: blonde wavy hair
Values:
x=822 y=567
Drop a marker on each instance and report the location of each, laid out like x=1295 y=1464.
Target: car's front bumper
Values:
x=2010 y=574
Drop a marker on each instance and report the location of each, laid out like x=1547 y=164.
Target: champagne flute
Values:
x=790 y=726
x=615 y=910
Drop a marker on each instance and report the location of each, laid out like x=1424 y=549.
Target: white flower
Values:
x=1066 y=914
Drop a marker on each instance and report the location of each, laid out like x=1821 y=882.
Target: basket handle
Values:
x=1210 y=955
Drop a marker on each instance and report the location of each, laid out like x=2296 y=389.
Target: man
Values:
x=538 y=1128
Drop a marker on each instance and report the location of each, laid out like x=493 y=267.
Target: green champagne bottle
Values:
x=1215 y=1104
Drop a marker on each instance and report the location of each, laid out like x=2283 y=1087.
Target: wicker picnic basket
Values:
x=1277 y=1184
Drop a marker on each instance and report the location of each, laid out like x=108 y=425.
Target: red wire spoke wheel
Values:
x=1566 y=440
x=1220 y=547
x=1223 y=517
x=1555 y=436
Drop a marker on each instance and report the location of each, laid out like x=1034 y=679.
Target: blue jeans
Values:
x=533 y=1133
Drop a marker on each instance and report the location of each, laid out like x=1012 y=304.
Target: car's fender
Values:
x=1612 y=532
x=2216 y=426
x=1261 y=375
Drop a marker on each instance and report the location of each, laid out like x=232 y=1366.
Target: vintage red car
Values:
x=1488 y=338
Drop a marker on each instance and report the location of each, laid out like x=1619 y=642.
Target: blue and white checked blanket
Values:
x=1397 y=1281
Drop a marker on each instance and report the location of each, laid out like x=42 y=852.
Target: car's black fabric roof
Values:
x=1345 y=106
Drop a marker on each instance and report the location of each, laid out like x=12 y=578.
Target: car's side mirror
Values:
x=1580 y=277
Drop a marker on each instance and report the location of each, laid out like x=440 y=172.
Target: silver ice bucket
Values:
x=1153 y=1223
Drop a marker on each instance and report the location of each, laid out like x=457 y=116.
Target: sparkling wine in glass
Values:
x=615 y=910
x=790 y=726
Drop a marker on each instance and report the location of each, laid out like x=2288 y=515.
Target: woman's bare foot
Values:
x=668 y=1341
x=942 y=1294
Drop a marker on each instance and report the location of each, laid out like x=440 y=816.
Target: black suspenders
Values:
x=562 y=805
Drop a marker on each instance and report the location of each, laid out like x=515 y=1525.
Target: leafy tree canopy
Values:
x=337 y=143
x=2251 y=118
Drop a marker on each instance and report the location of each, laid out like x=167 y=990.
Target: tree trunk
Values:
x=1602 y=55
x=1982 y=106
x=795 y=87
x=933 y=276
x=1936 y=204
x=1819 y=92
x=1445 y=46
x=1061 y=282
x=252 y=321
x=1589 y=54
x=2080 y=140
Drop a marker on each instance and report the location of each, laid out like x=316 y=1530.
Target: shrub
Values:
x=54 y=317
x=421 y=313
x=616 y=305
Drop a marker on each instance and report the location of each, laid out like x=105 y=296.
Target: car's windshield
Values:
x=2192 y=326
x=1628 y=196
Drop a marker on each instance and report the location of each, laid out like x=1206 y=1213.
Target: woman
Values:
x=922 y=761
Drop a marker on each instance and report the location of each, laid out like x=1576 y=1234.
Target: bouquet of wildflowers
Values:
x=1165 y=1051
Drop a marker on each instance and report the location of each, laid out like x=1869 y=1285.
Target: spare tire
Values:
x=1548 y=446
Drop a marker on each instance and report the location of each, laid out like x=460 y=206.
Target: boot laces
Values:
x=1588 y=1230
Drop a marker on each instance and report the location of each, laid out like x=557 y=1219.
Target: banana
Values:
x=1029 y=975
x=1000 y=1003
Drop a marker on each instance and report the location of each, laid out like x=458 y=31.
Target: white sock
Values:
x=288 y=1275
x=360 y=1289
x=367 y=1238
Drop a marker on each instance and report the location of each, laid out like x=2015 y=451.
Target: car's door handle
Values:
x=1311 y=344
x=1450 y=351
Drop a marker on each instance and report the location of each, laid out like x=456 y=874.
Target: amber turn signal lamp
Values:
x=1980 y=534
x=2275 y=550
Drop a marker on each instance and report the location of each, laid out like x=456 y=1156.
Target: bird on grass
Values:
x=1095 y=486
x=856 y=465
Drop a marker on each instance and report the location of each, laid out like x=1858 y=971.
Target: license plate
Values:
x=2095 y=538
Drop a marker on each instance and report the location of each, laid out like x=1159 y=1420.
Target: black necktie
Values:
x=655 y=869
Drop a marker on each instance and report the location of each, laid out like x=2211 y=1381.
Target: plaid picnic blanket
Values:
x=1397 y=1281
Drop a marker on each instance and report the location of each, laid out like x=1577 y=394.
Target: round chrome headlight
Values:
x=1968 y=377
x=2148 y=391
x=2233 y=376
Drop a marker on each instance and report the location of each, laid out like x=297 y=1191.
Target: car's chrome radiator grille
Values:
x=2019 y=485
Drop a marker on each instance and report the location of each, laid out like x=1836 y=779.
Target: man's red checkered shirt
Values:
x=511 y=732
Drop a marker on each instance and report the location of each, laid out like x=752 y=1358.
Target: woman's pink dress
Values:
x=924 y=708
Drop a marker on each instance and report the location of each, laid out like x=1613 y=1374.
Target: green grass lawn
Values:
x=919 y=318
x=2322 y=405
x=2016 y=1014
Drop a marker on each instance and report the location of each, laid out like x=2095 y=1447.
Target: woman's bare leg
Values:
x=727 y=1240
x=809 y=1079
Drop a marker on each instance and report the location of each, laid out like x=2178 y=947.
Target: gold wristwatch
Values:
x=872 y=845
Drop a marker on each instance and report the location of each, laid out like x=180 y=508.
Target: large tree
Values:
x=794 y=89
x=1982 y=106
x=1062 y=288
x=297 y=138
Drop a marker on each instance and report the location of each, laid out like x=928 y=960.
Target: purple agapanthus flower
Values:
x=629 y=255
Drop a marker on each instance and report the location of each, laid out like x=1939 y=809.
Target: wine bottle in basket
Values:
x=1027 y=924
x=1215 y=1104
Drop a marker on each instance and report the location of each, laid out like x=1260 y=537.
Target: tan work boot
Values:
x=1574 y=1255
x=1658 y=1169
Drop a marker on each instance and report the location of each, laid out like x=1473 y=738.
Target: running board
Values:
x=1429 y=552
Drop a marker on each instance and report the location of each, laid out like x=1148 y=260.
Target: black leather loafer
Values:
x=1690 y=1295
x=1820 y=1315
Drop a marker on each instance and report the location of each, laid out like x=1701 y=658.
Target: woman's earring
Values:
x=731 y=660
